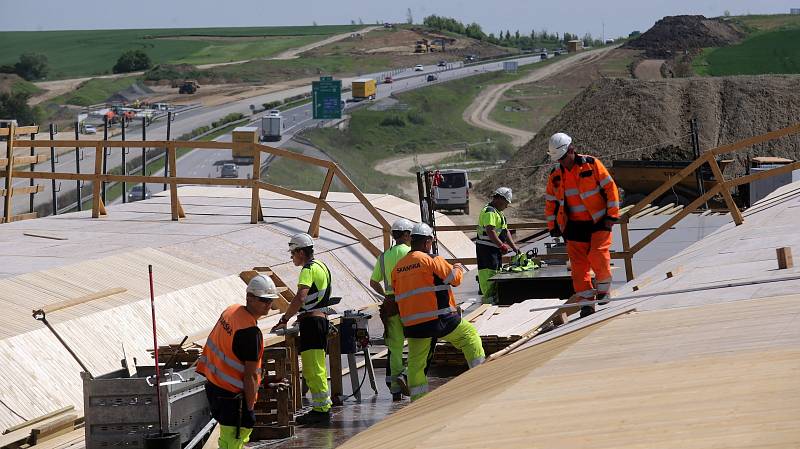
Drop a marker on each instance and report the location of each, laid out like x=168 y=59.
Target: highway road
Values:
x=207 y=163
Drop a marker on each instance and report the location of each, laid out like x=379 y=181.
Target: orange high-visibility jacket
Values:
x=596 y=193
x=218 y=363
x=422 y=287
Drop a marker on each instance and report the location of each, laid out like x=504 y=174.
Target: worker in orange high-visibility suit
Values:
x=582 y=205
x=231 y=362
x=423 y=287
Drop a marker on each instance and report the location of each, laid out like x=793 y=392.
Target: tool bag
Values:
x=522 y=262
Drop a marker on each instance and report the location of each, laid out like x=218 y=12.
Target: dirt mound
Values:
x=635 y=119
x=674 y=34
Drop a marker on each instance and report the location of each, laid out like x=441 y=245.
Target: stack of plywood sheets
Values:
x=499 y=327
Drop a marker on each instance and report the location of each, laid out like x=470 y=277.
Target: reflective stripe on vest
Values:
x=605 y=181
x=594 y=191
x=611 y=204
x=578 y=208
x=235 y=365
x=320 y=295
x=420 y=290
x=421 y=315
x=450 y=276
x=217 y=372
x=572 y=192
x=418 y=390
x=475 y=362
x=598 y=215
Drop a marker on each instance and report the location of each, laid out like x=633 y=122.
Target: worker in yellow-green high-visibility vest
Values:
x=381 y=282
x=312 y=297
x=493 y=241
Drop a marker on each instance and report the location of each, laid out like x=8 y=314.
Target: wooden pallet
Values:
x=275 y=406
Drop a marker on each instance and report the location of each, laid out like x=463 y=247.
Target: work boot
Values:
x=397 y=397
x=586 y=311
x=603 y=299
x=403 y=382
x=314 y=417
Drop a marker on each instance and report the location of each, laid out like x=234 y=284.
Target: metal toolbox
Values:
x=119 y=410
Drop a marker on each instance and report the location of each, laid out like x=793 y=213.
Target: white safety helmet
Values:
x=402 y=224
x=504 y=192
x=558 y=146
x=300 y=241
x=422 y=229
x=262 y=287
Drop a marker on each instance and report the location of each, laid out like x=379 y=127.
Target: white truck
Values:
x=271 y=126
x=452 y=192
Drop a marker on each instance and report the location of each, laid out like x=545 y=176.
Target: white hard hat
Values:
x=262 y=287
x=300 y=241
x=422 y=229
x=402 y=224
x=505 y=192
x=558 y=146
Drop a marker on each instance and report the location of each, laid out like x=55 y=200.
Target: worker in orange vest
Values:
x=582 y=205
x=231 y=362
x=423 y=288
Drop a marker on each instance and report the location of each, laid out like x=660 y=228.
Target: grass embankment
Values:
x=772 y=46
x=95 y=91
x=94 y=52
x=432 y=123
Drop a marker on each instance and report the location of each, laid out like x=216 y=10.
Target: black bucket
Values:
x=162 y=441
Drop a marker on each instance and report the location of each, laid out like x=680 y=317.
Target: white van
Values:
x=452 y=193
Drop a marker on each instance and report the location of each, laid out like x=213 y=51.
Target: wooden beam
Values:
x=23 y=190
x=39 y=419
x=756 y=140
x=173 y=188
x=364 y=201
x=83 y=299
x=353 y=230
x=726 y=193
x=99 y=154
x=290 y=193
x=675 y=218
x=626 y=247
x=19 y=130
x=313 y=227
x=26 y=160
x=294 y=156
x=788 y=168
x=20 y=217
x=255 y=201
x=9 y=179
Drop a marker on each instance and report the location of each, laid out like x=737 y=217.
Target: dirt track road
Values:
x=405 y=165
x=649 y=69
x=477 y=113
x=60 y=87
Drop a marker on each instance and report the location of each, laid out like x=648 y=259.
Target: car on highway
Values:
x=470 y=58
x=442 y=63
x=388 y=80
x=432 y=77
x=419 y=68
x=89 y=129
x=229 y=171
x=135 y=194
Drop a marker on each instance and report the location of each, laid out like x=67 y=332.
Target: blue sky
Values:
x=575 y=16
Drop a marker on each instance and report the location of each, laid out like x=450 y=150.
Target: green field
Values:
x=86 y=53
x=772 y=46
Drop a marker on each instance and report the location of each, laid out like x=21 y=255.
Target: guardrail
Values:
x=172 y=180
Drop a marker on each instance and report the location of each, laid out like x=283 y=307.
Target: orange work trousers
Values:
x=593 y=255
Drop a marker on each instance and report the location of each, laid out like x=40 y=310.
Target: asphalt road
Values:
x=207 y=163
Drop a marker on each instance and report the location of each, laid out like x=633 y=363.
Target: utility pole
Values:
x=604 y=32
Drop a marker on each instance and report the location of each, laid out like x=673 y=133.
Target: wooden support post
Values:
x=175 y=204
x=784 y=257
x=335 y=361
x=7 y=211
x=726 y=193
x=255 y=202
x=313 y=228
x=98 y=208
x=626 y=247
x=293 y=345
x=366 y=203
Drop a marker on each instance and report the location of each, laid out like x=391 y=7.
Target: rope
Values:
x=13 y=411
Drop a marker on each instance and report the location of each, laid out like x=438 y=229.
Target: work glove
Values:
x=555 y=232
x=504 y=248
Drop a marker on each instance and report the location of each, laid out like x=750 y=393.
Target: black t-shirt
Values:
x=247 y=344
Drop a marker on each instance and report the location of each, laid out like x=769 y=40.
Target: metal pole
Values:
x=696 y=150
x=124 y=164
x=40 y=316
x=166 y=151
x=105 y=159
x=32 y=168
x=53 y=170
x=144 y=156
x=155 y=350
x=78 y=167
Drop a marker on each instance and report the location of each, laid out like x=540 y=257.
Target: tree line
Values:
x=507 y=38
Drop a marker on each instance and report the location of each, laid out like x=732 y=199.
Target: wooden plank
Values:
x=481 y=321
x=313 y=227
x=20 y=217
x=44 y=236
x=99 y=154
x=83 y=299
x=26 y=160
x=23 y=190
x=39 y=419
x=476 y=313
x=53 y=428
x=9 y=179
x=68 y=439
x=173 y=188
x=626 y=248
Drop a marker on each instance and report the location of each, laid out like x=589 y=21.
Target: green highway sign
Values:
x=326 y=97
